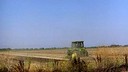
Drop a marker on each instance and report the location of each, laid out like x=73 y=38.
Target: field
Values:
x=55 y=53
x=55 y=60
x=61 y=53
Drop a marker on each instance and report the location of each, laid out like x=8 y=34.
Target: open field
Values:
x=61 y=53
x=99 y=59
x=113 y=53
x=56 y=53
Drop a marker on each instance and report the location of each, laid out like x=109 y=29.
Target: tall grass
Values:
x=104 y=60
x=75 y=65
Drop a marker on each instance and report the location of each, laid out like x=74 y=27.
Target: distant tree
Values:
x=114 y=45
x=5 y=49
x=41 y=48
x=125 y=45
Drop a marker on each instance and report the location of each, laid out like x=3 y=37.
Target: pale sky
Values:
x=55 y=23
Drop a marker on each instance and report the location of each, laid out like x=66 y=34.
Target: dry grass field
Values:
x=111 y=57
x=61 y=53
x=55 y=53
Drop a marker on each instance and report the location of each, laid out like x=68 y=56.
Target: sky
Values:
x=56 y=23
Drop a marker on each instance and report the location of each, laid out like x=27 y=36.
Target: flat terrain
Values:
x=50 y=54
x=61 y=53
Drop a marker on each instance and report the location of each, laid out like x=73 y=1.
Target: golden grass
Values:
x=115 y=52
x=108 y=55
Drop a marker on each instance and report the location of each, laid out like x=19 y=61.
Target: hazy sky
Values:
x=55 y=23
